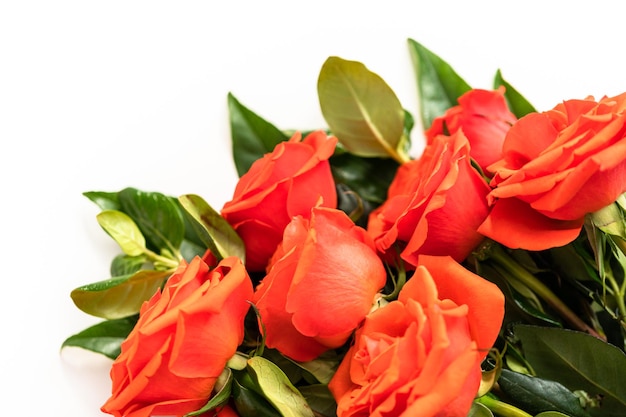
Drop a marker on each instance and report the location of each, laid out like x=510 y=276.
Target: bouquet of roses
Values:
x=347 y=278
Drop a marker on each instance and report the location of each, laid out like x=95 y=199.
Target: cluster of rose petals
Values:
x=434 y=204
x=557 y=166
x=282 y=184
x=420 y=355
x=321 y=282
x=484 y=117
x=171 y=360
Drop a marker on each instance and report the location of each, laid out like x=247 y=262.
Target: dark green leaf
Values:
x=320 y=399
x=249 y=403
x=215 y=232
x=361 y=109
x=105 y=337
x=536 y=395
x=252 y=136
x=190 y=250
x=104 y=200
x=518 y=104
x=277 y=388
x=157 y=216
x=578 y=361
x=368 y=177
x=439 y=86
x=479 y=410
x=126 y=265
x=120 y=296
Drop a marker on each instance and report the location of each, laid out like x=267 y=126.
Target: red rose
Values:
x=434 y=204
x=282 y=184
x=321 y=283
x=484 y=117
x=557 y=167
x=420 y=355
x=185 y=335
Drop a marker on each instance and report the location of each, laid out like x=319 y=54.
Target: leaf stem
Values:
x=496 y=253
x=501 y=408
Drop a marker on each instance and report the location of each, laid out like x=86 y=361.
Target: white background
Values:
x=101 y=95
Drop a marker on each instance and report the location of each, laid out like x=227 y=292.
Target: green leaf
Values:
x=536 y=395
x=479 y=410
x=120 y=296
x=104 y=200
x=361 y=110
x=320 y=399
x=252 y=136
x=551 y=414
x=249 y=403
x=158 y=217
x=277 y=388
x=123 y=230
x=439 y=86
x=104 y=338
x=216 y=233
x=224 y=388
x=517 y=103
x=578 y=361
x=126 y=265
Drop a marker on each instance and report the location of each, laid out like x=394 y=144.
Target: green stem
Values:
x=619 y=294
x=501 y=408
x=497 y=254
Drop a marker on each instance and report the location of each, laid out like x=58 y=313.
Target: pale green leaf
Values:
x=123 y=230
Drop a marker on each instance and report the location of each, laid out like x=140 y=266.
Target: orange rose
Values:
x=321 y=283
x=434 y=204
x=557 y=167
x=484 y=117
x=420 y=355
x=284 y=183
x=185 y=335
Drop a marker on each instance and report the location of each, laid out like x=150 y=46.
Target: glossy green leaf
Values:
x=216 y=233
x=438 y=84
x=157 y=216
x=517 y=103
x=120 y=296
x=252 y=136
x=277 y=388
x=479 y=410
x=578 y=361
x=536 y=395
x=250 y=403
x=127 y=265
x=224 y=388
x=104 y=338
x=123 y=230
x=361 y=110
x=104 y=200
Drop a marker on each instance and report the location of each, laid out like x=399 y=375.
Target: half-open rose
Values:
x=171 y=360
x=558 y=166
x=434 y=204
x=321 y=283
x=420 y=355
x=282 y=184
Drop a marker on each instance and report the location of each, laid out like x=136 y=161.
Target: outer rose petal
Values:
x=282 y=184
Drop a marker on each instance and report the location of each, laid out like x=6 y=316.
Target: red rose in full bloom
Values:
x=320 y=284
x=185 y=335
x=557 y=167
x=434 y=204
x=282 y=184
x=484 y=117
x=420 y=355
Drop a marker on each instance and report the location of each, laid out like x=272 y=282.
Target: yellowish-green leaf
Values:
x=123 y=230
x=361 y=110
x=120 y=296
x=277 y=388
